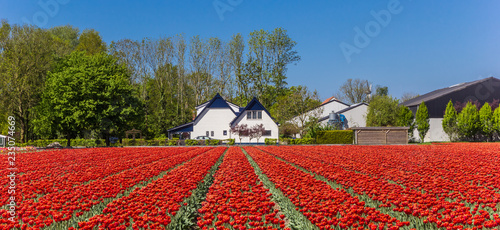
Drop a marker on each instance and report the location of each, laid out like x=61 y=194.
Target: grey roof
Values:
x=442 y=92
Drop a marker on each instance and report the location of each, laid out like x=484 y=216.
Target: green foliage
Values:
x=88 y=93
x=422 y=121
x=173 y=142
x=496 y=120
x=486 y=120
x=335 y=137
x=450 y=121
x=212 y=142
x=302 y=141
x=91 y=42
x=382 y=91
x=270 y=141
x=406 y=119
x=383 y=111
x=231 y=141
x=191 y=142
x=468 y=121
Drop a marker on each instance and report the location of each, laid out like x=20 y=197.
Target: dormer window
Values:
x=254 y=114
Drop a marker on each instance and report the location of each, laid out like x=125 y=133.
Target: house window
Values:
x=254 y=114
x=207 y=133
x=224 y=132
x=212 y=133
x=267 y=133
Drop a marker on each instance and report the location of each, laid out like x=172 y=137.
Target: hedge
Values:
x=270 y=141
x=335 y=137
x=301 y=141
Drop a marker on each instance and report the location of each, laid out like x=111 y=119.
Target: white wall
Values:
x=266 y=120
x=214 y=119
x=435 y=133
x=326 y=110
x=355 y=117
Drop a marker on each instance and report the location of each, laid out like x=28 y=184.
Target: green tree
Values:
x=91 y=42
x=67 y=37
x=88 y=93
x=406 y=119
x=382 y=90
x=450 y=121
x=496 y=120
x=26 y=55
x=383 y=111
x=422 y=121
x=486 y=121
x=468 y=121
x=301 y=113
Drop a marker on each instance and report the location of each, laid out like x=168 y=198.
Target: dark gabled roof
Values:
x=188 y=127
x=254 y=104
x=443 y=92
x=343 y=110
x=216 y=102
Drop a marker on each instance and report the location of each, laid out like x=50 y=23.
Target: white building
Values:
x=216 y=117
x=484 y=90
x=351 y=115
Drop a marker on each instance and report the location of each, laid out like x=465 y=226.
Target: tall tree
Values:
x=91 y=42
x=89 y=93
x=297 y=105
x=422 y=121
x=450 y=121
x=198 y=60
x=496 y=120
x=354 y=91
x=382 y=90
x=486 y=121
x=406 y=119
x=26 y=55
x=67 y=36
x=383 y=111
x=236 y=59
x=468 y=121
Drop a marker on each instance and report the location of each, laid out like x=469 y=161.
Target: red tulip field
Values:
x=438 y=186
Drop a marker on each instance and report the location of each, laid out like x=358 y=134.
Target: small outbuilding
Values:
x=380 y=135
x=2 y=141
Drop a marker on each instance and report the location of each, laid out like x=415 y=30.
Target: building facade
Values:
x=216 y=118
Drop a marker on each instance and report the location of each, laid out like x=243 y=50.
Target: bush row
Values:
x=323 y=137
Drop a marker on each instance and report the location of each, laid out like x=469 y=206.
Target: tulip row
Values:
x=153 y=206
x=351 y=170
x=237 y=199
x=324 y=206
x=65 y=203
x=439 y=170
x=74 y=167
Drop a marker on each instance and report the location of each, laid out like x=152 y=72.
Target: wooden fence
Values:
x=380 y=135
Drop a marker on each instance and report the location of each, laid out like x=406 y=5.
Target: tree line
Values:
x=63 y=82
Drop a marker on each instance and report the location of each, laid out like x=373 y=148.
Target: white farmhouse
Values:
x=216 y=117
x=333 y=110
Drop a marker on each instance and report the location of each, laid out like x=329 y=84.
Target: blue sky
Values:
x=424 y=46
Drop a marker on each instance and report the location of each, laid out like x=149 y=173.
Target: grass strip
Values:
x=187 y=214
x=297 y=220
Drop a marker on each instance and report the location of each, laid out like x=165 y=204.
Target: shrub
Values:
x=270 y=141
x=285 y=140
x=212 y=142
x=302 y=141
x=173 y=142
x=230 y=141
x=335 y=137
x=191 y=142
